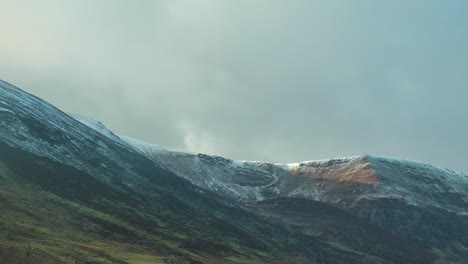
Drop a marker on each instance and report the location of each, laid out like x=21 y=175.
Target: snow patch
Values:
x=6 y=110
x=149 y=148
x=96 y=125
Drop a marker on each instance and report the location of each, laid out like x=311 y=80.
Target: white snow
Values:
x=291 y=166
x=6 y=110
x=4 y=103
x=149 y=148
x=96 y=125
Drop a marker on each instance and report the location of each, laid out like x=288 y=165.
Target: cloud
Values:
x=197 y=140
x=264 y=80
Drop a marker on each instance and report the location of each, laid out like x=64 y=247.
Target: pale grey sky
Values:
x=269 y=80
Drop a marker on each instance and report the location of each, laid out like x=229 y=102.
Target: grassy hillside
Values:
x=67 y=214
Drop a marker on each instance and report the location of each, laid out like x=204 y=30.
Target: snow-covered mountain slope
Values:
x=369 y=177
x=98 y=126
x=342 y=182
x=414 y=200
x=239 y=180
x=407 y=198
x=35 y=126
x=76 y=183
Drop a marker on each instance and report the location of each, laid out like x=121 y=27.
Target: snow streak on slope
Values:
x=96 y=125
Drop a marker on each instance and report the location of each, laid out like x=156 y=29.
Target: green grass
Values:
x=58 y=227
x=70 y=216
x=71 y=231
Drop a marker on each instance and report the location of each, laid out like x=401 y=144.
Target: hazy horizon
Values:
x=277 y=81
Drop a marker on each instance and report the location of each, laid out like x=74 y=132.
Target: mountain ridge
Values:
x=74 y=181
x=369 y=158
x=400 y=195
x=372 y=169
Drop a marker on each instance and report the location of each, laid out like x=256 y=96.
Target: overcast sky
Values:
x=269 y=80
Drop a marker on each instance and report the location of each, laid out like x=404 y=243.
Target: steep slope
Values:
x=81 y=194
x=410 y=199
x=120 y=191
x=69 y=214
x=46 y=202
